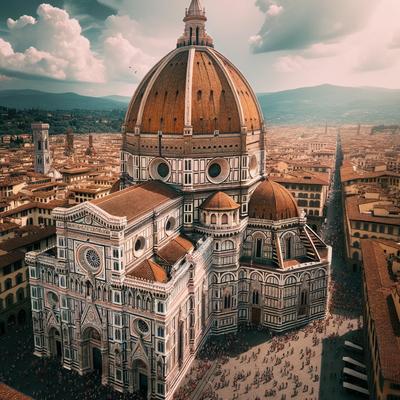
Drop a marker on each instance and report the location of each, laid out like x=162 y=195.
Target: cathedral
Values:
x=197 y=242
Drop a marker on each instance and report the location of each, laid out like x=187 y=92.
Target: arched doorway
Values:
x=141 y=381
x=92 y=356
x=55 y=345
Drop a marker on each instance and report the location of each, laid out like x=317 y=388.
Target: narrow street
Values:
x=346 y=296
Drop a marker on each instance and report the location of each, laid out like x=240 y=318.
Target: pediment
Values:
x=52 y=319
x=139 y=352
x=88 y=215
x=91 y=316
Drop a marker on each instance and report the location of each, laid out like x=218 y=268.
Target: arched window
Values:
x=191 y=35
x=288 y=247
x=20 y=295
x=224 y=219
x=227 y=245
x=255 y=297
x=303 y=298
x=89 y=288
x=197 y=35
x=227 y=301
x=258 y=248
x=227 y=278
x=8 y=284
x=9 y=300
x=213 y=219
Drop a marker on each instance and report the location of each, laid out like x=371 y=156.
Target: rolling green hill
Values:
x=312 y=105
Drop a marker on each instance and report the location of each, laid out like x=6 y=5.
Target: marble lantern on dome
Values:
x=197 y=243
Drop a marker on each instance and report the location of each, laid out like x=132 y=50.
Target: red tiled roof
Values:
x=271 y=201
x=150 y=271
x=8 y=393
x=27 y=239
x=379 y=286
x=354 y=214
x=220 y=201
x=136 y=200
x=176 y=249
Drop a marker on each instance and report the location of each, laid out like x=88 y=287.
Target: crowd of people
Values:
x=44 y=379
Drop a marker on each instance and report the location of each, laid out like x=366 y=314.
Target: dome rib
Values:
x=232 y=86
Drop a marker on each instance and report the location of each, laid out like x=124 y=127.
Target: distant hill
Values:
x=26 y=99
x=312 y=105
x=332 y=104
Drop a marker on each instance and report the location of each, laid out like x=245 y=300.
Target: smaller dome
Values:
x=220 y=201
x=271 y=201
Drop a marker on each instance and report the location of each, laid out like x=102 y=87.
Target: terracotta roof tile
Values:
x=379 y=286
x=271 y=201
x=354 y=214
x=137 y=200
x=220 y=201
x=176 y=249
x=150 y=271
x=8 y=393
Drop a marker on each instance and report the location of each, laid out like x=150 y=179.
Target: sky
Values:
x=105 y=47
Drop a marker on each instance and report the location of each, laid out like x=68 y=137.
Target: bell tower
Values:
x=42 y=148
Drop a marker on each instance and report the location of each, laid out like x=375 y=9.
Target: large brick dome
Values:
x=196 y=88
x=194 y=121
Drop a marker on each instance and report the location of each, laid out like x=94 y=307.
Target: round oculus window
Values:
x=160 y=169
x=142 y=326
x=139 y=246
x=93 y=259
x=214 y=170
x=218 y=170
x=253 y=166
x=163 y=170
x=89 y=258
x=170 y=225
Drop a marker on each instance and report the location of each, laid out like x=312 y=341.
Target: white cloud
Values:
x=289 y=63
x=20 y=22
x=123 y=60
x=32 y=61
x=274 y=10
x=123 y=52
x=51 y=46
